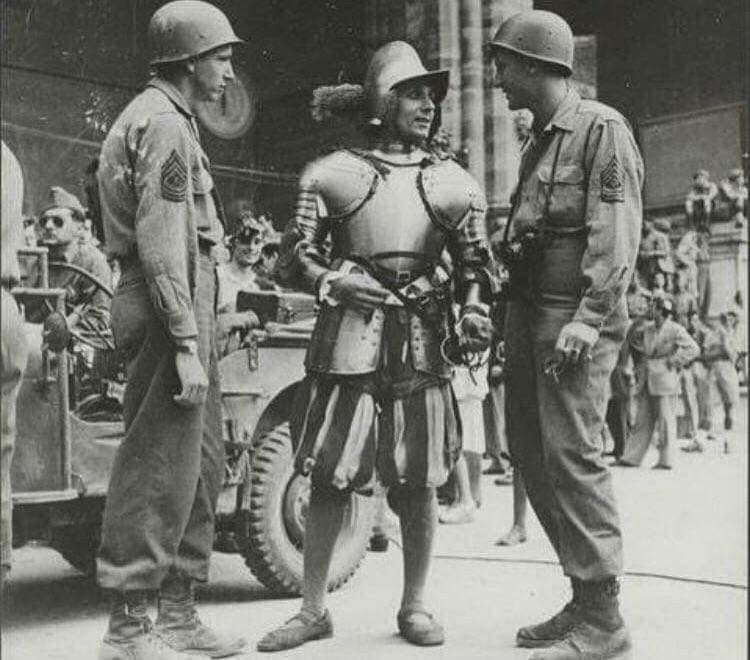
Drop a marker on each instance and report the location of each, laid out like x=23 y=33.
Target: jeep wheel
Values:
x=273 y=523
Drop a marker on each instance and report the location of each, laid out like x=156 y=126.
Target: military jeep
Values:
x=70 y=425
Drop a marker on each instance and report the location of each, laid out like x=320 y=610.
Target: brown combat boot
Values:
x=599 y=631
x=131 y=635
x=552 y=630
x=179 y=626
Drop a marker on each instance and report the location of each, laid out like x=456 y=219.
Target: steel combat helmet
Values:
x=187 y=28
x=393 y=64
x=539 y=35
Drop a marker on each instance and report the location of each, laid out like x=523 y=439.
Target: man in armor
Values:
x=570 y=249
x=377 y=397
x=163 y=222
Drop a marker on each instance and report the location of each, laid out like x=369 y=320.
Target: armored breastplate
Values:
x=393 y=220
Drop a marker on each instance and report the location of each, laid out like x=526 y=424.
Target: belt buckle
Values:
x=402 y=276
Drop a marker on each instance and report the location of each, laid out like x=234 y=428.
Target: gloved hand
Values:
x=496 y=375
x=574 y=342
x=475 y=332
x=55 y=333
x=356 y=290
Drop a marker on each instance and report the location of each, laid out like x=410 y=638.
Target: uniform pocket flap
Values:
x=566 y=174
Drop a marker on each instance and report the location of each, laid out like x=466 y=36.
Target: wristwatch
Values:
x=188 y=347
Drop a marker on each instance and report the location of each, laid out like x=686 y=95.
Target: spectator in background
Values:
x=694 y=254
x=720 y=355
x=239 y=273
x=683 y=298
x=659 y=287
x=237 y=210
x=654 y=252
x=59 y=231
x=699 y=371
x=731 y=203
x=470 y=390
x=699 y=199
x=666 y=347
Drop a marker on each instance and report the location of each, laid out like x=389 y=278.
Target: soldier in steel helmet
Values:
x=377 y=397
x=162 y=221
x=570 y=249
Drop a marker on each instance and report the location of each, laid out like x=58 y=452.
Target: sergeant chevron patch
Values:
x=174 y=178
x=611 y=181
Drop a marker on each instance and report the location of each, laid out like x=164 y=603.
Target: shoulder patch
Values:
x=174 y=177
x=611 y=181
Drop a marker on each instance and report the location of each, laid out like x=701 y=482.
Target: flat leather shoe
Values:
x=301 y=628
x=420 y=628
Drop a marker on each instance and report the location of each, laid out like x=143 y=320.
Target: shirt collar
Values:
x=172 y=93
x=563 y=117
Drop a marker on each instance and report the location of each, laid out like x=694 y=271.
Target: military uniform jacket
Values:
x=580 y=185
x=157 y=195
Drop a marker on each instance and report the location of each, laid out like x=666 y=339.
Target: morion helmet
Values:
x=187 y=28
x=395 y=63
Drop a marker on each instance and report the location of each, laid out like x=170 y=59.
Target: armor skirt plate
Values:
x=398 y=422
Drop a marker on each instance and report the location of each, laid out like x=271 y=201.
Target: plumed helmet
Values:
x=187 y=28
x=392 y=64
x=539 y=35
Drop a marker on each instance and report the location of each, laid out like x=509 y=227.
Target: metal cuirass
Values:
x=399 y=217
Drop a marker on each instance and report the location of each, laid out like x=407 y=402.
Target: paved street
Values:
x=685 y=593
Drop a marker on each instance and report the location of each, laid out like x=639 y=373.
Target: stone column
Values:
x=472 y=87
x=502 y=146
x=446 y=54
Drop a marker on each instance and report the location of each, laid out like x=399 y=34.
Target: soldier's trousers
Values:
x=169 y=468
x=653 y=413
x=555 y=437
x=12 y=364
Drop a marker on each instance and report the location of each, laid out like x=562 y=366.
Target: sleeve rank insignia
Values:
x=174 y=178
x=611 y=181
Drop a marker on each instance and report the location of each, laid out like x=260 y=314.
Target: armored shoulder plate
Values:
x=343 y=180
x=449 y=192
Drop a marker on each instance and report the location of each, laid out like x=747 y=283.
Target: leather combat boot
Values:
x=599 y=631
x=548 y=632
x=131 y=635
x=179 y=626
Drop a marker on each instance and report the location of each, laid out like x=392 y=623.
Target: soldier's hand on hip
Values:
x=359 y=291
x=193 y=380
x=575 y=341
